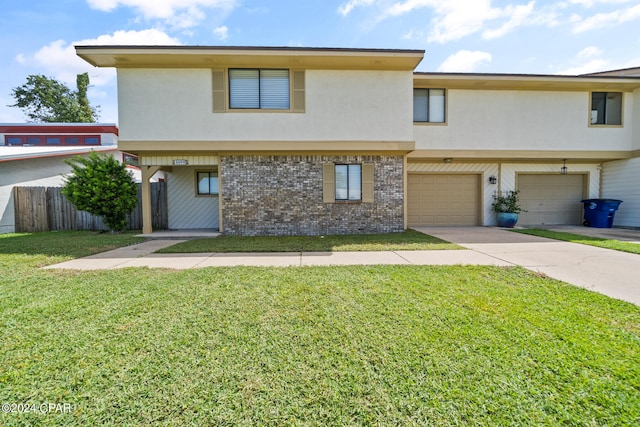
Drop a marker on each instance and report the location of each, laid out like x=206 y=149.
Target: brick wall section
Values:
x=282 y=195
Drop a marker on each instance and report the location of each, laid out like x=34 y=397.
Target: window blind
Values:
x=244 y=86
x=274 y=89
x=259 y=89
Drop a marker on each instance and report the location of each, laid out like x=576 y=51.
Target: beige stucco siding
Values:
x=172 y=104
x=527 y=120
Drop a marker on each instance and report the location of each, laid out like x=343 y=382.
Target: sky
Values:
x=485 y=36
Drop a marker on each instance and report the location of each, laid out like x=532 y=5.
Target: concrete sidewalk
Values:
x=141 y=255
x=613 y=273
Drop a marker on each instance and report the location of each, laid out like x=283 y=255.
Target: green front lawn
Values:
x=616 y=245
x=410 y=240
x=58 y=246
x=375 y=345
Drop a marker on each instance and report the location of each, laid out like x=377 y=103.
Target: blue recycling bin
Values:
x=599 y=213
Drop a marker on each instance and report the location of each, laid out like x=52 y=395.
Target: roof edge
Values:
x=522 y=75
x=250 y=48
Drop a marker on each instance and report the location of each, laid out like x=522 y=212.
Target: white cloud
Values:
x=590 y=3
x=465 y=61
x=589 y=52
x=602 y=20
x=59 y=58
x=345 y=8
x=178 y=13
x=591 y=60
x=221 y=32
x=517 y=16
x=455 y=19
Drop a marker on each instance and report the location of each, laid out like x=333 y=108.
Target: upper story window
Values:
x=429 y=105
x=263 y=89
x=606 y=108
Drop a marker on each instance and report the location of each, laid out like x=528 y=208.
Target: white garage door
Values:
x=551 y=199
x=443 y=199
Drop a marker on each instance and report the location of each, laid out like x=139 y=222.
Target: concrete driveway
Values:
x=613 y=273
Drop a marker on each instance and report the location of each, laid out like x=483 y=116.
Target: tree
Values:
x=44 y=99
x=102 y=186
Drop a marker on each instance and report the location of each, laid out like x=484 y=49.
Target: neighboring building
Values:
x=259 y=140
x=32 y=155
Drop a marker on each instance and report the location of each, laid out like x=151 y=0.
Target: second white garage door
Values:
x=435 y=199
x=551 y=199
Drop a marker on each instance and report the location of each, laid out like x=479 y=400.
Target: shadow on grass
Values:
x=65 y=243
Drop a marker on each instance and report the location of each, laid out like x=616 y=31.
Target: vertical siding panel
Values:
x=620 y=181
x=186 y=210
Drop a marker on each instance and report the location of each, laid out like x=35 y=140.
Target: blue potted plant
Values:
x=507 y=205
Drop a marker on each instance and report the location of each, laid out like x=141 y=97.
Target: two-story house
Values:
x=268 y=140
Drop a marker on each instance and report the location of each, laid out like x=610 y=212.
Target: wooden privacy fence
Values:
x=46 y=209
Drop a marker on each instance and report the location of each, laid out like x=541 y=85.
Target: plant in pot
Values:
x=507 y=205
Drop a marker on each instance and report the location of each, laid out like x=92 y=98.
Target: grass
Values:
x=616 y=245
x=57 y=246
x=410 y=240
x=381 y=345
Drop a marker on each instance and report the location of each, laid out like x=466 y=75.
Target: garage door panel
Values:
x=551 y=199
x=440 y=199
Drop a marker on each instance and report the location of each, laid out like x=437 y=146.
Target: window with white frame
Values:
x=207 y=183
x=348 y=180
x=263 y=89
x=606 y=108
x=429 y=105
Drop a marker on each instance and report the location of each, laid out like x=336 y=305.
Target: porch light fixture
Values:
x=493 y=179
x=447 y=160
x=563 y=169
x=180 y=162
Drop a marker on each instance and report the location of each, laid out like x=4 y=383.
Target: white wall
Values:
x=620 y=180
x=176 y=104
x=522 y=120
x=185 y=209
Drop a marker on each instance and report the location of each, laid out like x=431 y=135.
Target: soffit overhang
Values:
x=525 y=82
x=267 y=147
x=263 y=57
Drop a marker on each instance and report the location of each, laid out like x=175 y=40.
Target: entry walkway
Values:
x=616 y=274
